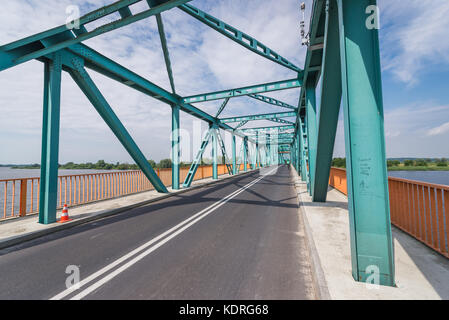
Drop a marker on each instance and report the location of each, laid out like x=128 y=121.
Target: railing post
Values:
x=23 y=197
x=370 y=229
x=50 y=140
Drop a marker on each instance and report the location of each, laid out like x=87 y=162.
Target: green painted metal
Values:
x=175 y=147
x=223 y=152
x=160 y=27
x=272 y=101
x=370 y=225
x=214 y=152
x=245 y=154
x=195 y=163
x=329 y=105
x=223 y=105
x=241 y=124
x=234 y=156
x=253 y=117
x=311 y=129
x=281 y=121
x=244 y=91
x=238 y=36
x=94 y=95
x=281 y=128
x=50 y=141
x=34 y=54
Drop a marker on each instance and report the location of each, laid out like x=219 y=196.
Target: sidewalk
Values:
x=18 y=230
x=421 y=273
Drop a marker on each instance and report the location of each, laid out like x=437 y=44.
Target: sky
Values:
x=414 y=58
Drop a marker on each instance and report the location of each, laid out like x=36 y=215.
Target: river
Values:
x=436 y=177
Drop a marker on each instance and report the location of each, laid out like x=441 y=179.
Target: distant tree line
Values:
x=103 y=165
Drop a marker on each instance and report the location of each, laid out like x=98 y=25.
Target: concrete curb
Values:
x=107 y=213
x=318 y=278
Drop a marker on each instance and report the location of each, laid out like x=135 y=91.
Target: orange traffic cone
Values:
x=64 y=215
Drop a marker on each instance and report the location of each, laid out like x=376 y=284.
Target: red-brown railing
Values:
x=20 y=197
x=418 y=208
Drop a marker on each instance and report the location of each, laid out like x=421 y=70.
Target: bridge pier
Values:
x=369 y=209
x=50 y=140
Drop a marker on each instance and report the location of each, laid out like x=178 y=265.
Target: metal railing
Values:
x=20 y=197
x=418 y=208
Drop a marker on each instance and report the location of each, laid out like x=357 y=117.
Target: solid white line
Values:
x=198 y=216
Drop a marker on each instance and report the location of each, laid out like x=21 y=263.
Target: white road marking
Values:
x=171 y=232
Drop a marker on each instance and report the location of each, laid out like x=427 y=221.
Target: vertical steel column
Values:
x=175 y=146
x=245 y=155
x=214 y=152
x=50 y=140
x=257 y=149
x=303 y=151
x=234 y=156
x=329 y=105
x=311 y=129
x=370 y=225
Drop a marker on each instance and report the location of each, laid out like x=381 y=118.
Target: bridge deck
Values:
x=238 y=239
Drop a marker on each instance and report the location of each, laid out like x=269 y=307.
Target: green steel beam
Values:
x=83 y=80
x=289 y=127
x=223 y=105
x=265 y=116
x=238 y=36
x=329 y=105
x=241 y=124
x=234 y=156
x=272 y=101
x=214 y=152
x=160 y=27
x=87 y=18
x=313 y=57
x=175 y=147
x=34 y=50
x=50 y=141
x=245 y=154
x=370 y=224
x=244 y=91
x=195 y=163
x=281 y=121
x=311 y=128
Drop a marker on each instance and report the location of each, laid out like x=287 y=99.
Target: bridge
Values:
x=253 y=217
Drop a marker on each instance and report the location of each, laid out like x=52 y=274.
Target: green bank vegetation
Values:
x=103 y=165
x=436 y=164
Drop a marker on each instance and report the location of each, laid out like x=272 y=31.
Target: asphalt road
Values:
x=237 y=239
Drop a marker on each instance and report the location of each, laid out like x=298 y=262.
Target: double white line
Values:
x=150 y=246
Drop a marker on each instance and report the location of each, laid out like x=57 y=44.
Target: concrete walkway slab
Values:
x=21 y=229
x=421 y=273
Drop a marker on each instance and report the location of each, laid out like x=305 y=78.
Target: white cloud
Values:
x=414 y=37
x=439 y=130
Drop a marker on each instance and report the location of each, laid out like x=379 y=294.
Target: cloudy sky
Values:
x=415 y=65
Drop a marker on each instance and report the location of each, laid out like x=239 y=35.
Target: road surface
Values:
x=237 y=239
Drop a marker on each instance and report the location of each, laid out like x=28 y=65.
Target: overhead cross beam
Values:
x=238 y=36
x=243 y=91
x=265 y=116
x=31 y=47
x=281 y=121
x=272 y=101
x=288 y=127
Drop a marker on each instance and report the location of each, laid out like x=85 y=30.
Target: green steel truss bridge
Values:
x=342 y=51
